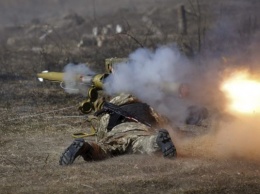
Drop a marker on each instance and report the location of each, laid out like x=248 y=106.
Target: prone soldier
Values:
x=134 y=128
x=123 y=125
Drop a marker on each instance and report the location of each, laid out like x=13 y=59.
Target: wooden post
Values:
x=182 y=21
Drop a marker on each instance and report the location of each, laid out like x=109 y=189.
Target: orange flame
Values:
x=243 y=92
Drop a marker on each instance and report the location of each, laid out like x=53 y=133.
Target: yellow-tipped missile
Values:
x=94 y=80
x=51 y=76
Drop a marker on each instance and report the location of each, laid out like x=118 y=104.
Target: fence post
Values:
x=182 y=21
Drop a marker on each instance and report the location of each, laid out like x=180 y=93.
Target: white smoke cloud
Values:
x=71 y=76
x=153 y=77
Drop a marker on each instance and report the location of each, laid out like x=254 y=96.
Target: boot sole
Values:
x=72 y=152
x=165 y=143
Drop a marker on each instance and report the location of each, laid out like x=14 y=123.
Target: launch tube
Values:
x=95 y=80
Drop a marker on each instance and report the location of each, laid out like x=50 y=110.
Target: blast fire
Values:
x=243 y=91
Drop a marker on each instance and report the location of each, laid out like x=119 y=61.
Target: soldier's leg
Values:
x=88 y=150
x=125 y=139
x=160 y=141
x=137 y=138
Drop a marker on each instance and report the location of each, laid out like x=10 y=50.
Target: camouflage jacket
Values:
x=100 y=123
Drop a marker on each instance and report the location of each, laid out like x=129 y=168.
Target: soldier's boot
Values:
x=165 y=143
x=81 y=148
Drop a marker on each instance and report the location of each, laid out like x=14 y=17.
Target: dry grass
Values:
x=29 y=164
x=30 y=148
x=34 y=133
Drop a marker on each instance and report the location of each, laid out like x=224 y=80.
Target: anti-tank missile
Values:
x=51 y=76
x=95 y=80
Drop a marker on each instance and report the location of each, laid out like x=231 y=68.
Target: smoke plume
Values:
x=154 y=77
x=71 y=76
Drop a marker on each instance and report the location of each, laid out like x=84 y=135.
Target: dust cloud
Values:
x=237 y=139
x=231 y=135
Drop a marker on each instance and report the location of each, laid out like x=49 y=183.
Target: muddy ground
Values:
x=38 y=119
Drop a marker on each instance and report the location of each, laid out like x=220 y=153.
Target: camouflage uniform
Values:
x=126 y=137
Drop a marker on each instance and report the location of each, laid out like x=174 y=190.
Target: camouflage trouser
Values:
x=128 y=137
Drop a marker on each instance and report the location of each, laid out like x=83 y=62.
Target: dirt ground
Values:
x=38 y=119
